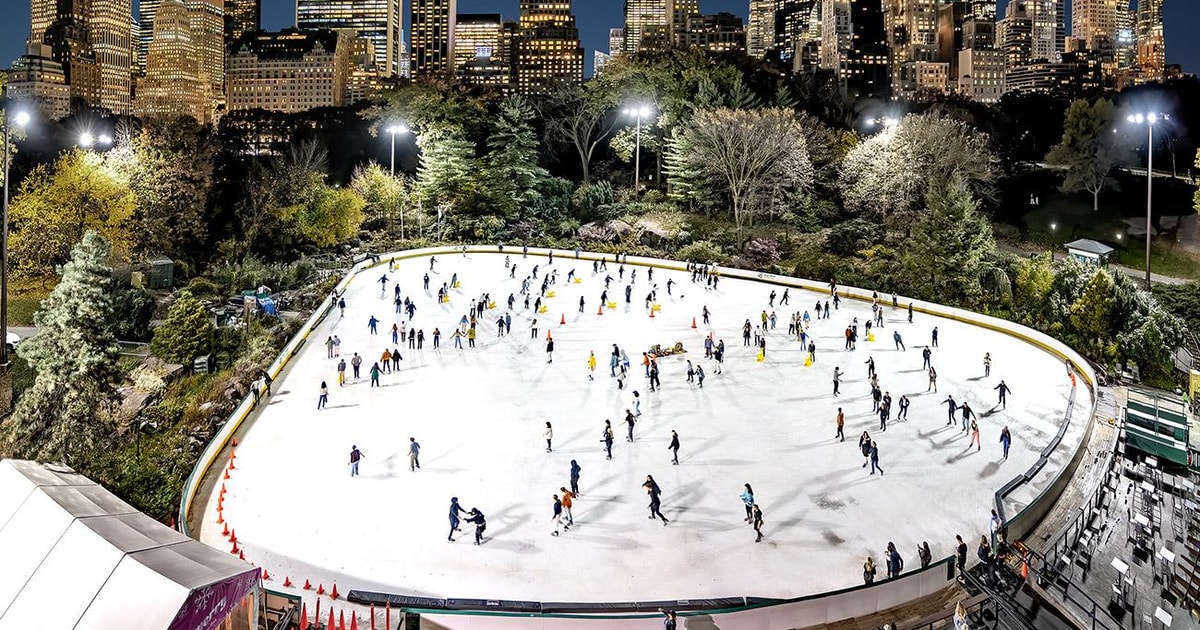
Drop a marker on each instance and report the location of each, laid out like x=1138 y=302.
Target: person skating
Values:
x=975 y=437
x=747 y=497
x=591 y=365
x=557 y=509
x=910 y=312
x=568 y=500
x=396 y=359
x=758 y=523
x=875 y=458
x=784 y=300
x=960 y=553
x=951 y=407
x=932 y=380
x=341 y=370
x=373 y=325
x=934 y=337
x=342 y=306
x=870 y=366
x=414 y=454
x=480 y=522
x=386 y=360
x=655 y=383
x=903 y=406
x=869 y=571
x=674 y=448
x=550 y=350
x=355 y=456
x=1004 y=391
x=987 y=364
x=864 y=447
x=926 y=356
x=691 y=372
x=812 y=351
x=967 y=415
x=323 y=398
x=1005 y=441
x=719 y=354
x=329 y=347
x=455 y=510
x=548 y=434
x=700 y=376
x=575 y=470
x=607 y=438
x=337 y=346
x=629 y=422
x=375 y=374
x=356 y=363
x=841 y=423
x=899 y=341
x=837 y=380
x=655 y=493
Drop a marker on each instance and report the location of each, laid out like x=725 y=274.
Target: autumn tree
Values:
x=1089 y=149
x=749 y=156
x=75 y=356
x=58 y=203
x=384 y=196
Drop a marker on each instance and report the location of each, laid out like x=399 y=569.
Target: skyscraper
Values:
x=1048 y=28
x=616 y=41
x=645 y=17
x=791 y=23
x=480 y=54
x=241 y=16
x=1151 y=53
x=38 y=79
x=546 y=45
x=432 y=36
x=760 y=28
x=379 y=21
x=1014 y=35
x=112 y=41
x=1095 y=22
x=866 y=74
x=912 y=39
x=207 y=19
x=174 y=84
x=67 y=35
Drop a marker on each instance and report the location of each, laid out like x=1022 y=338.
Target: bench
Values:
x=929 y=620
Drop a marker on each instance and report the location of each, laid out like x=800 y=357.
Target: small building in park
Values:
x=1089 y=252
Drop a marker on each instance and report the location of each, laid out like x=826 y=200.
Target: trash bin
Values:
x=160 y=273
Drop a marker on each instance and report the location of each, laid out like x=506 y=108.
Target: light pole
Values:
x=638 y=112
x=1148 y=119
x=1053 y=231
x=21 y=119
x=887 y=122
x=87 y=140
x=395 y=129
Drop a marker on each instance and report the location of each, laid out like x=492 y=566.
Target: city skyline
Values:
x=597 y=17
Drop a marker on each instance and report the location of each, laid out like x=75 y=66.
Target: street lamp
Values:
x=1148 y=119
x=397 y=129
x=638 y=112
x=87 y=140
x=21 y=118
x=887 y=122
x=1053 y=230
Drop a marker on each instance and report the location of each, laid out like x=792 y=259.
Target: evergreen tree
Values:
x=945 y=255
x=513 y=172
x=186 y=334
x=75 y=355
x=1089 y=149
x=446 y=171
x=1090 y=313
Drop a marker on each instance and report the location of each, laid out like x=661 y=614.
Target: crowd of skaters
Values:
x=541 y=280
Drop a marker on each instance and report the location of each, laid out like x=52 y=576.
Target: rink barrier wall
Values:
x=808 y=607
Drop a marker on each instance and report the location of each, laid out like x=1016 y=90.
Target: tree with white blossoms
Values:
x=75 y=356
x=754 y=157
x=888 y=174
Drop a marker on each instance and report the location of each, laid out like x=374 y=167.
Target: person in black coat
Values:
x=480 y=522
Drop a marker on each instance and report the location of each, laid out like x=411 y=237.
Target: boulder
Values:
x=1004 y=230
x=653 y=236
x=604 y=232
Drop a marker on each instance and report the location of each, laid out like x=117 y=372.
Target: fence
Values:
x=810 y=610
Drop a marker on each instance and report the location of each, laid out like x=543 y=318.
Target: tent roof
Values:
x=77 y=556
x=1089 y=246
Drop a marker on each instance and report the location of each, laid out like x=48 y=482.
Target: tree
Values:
x=448 y=166
x=513 y=173
x=57 y=204
x=187 y=332
x=945 y=255
x=1090 y=314
x=1089 y=149
x=889 y=173
x=75 y=356
x=384 y=196
x=751 y=156
x=580 y=116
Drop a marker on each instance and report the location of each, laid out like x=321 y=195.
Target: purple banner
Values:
x=207 y=607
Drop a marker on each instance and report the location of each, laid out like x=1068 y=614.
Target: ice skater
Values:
x=414 y=454
x=875 y=458
x=934 y=337
x=355 y=456
x=373 y=324
x=903 y=406
x=967 y=415
x=480 y=522
x=568 y=500
x=655 y=493
x=630 y=420
x=549 y=435
x=757 y=521
x=987 y=364
x=864 y=447
x=575 y=470
x=556 y=516
x=747 y=497
x=899 y=341
x=975 y=437
x=837 y=380
x=591 y=365
x=375 y=374
x=455 y=510
x=841 y=424
x=926 y=355
x=356 y=364
x=951 y=407
x=341 y=370
x=932 y=380
x=550 y=350
x=674 y=447
x=1004 y=391
x=323 y=397
x=1005 y=441
x=607 y=438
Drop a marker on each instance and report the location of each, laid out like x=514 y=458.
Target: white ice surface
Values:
x=479 y=415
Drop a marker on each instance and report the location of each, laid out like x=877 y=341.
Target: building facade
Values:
x=175 y=84
x=481 y=56
x=760 y=28
x=111 y=36
x=241 y=17
x=432 y=27
x=37 y=79
x=717 y=33
x=912 y=39
x=289 y=71
x=379 y=21
x=645 y=18
x=1151 y=52
x=546 y=46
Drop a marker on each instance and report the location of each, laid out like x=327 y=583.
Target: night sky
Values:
x=595 y=17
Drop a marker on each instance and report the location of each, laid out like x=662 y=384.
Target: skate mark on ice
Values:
x=832 y=538
x=826 y=502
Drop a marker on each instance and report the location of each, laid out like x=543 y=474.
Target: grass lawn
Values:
x=22 y=306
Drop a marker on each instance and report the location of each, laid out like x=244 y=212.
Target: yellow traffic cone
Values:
x=808 y=360
x=761 y=357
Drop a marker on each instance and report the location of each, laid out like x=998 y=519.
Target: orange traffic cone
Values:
x=693 y=323
x=233 y=453
x=317 y=617
x=321 y=590
x=333 y=594
x=303 y=616
x=220 y=517
x=353 y=621
x=232 y=465
x=342 y=620
x=287 y=582
x=235 y=441
x=225 y=530
x=651 y=313
x=233 y=535
x=372 y=616
x=266 y=576
x=600 y=310
x=220 y=504
x=307 y=585
x=222 y=490
x=235 y=549
x=242 y=555
x=562 y=320
x=330 y=625
x=226 y=473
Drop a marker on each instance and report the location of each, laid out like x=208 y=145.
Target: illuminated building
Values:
x=432 y=36
x=174 y=84
x=546 y=45
x=379 y=21
x=480 y=54
x=289 y=71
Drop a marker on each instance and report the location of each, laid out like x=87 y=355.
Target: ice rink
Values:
x=479 y=416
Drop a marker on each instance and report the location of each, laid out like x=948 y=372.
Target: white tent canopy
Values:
x=72 y=555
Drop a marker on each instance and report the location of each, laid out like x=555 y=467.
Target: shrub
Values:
x=849 y=237
x=186 y=334
x=133 y=308
x=701 y=251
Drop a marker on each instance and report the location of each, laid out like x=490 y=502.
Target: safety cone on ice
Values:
x=372 y=616
x=353 y=621
x=562 y=320
x=266 y=576
x=233 y=453
x=222 y=490
x=693 y=323
x=287 y=582
x=242 y=555
x=651 y=313
x=321 y=590
x=226 y=473
x=307 y=584
x=233 y=535
x=236 y=549
x=342 y=619
x=333 y=594
x=225 y=530
x=220 y=517
x=232 y=466
x=317 y=616
x=303 y=616
x=330 y=625
x=548 y=335
x=387 y=614
x=220 y=504
x=600 y=310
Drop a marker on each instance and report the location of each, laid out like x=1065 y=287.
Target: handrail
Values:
x=216 y=446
